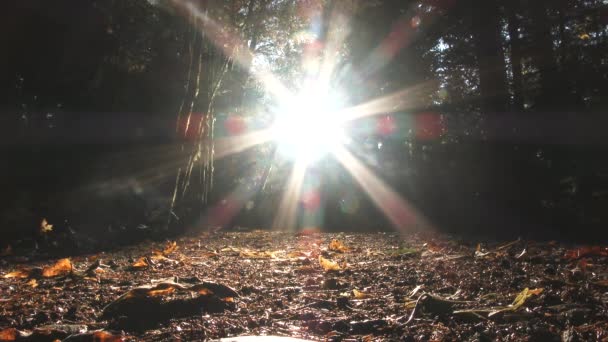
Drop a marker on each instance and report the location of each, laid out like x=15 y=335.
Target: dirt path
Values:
x=358 y=287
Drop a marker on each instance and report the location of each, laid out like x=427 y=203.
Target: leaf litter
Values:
x=263 y=283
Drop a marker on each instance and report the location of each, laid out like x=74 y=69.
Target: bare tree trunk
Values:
x=512 y=8
x=490 y=56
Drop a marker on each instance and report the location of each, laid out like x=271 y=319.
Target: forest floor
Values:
x=330 y=287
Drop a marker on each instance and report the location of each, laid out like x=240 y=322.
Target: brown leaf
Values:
x=329 y=265
x=140 y=263
x=18 y=274
x=360 y=294
x=61 y=267
x=170 y=248
x=95 y=336
x=338 y=246
x=258 y=254
x=8 y=334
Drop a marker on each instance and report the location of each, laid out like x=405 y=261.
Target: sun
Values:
x=306 y=127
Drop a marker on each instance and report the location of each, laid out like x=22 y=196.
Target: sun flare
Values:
x=307 y=128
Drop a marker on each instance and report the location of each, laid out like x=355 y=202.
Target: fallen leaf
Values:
x=258 y=254
x=586 y=251
x=170 y=248
x=519 y=301
x=61 y=267
x=140 y=263
x=33 y=283
x=584 y=36
x=18 y=274
x=45 y=227
x=8 y=334
x=360 y=294
x=338 y=246
x=95 y=336
x=329 y=265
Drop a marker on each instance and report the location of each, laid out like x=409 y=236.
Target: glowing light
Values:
x=306 y=128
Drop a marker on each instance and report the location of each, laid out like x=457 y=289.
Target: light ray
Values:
x=232 y=46
x=408 y=98
x=239 y=143
x=285 y=218
x=400 y=213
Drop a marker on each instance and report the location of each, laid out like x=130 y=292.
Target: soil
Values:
x=315 y=286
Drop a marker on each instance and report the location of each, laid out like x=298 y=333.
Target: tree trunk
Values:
x=490 y=56
x=512 y=8
x=553 y=91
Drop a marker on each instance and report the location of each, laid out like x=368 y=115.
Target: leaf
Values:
x=586 y=251
x=95 y=336
x=45 y=227
x=140 y=263
x=170 y=248
x=519 y=301
x=8 y=334
x=258 y=254
x=61 y=267
x=360 y=294
x=584 y=36
x=329 y=265
x=33 y=283
x=18 y=274
x=338 y=246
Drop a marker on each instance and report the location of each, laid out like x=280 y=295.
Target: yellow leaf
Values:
x=33 y=283
x=258 y=254
x=360 y=294
x=156 y=255
x=338 y=246
x=45 y=227
x=329 y=265
x=140 y=263
x=61 y=267
x=521 y=298
x=584 y=36
x=18 y=274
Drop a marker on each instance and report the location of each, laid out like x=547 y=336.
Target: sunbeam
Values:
x=401 y=214
x=239 y=143
x=285 y=218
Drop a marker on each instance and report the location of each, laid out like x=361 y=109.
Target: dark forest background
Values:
x=93 y=95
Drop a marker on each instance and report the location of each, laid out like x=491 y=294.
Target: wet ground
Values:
x=334 y=287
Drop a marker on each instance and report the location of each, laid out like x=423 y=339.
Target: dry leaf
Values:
x=45 y=227
x=523 y=296
x=338 y=246
x=61 y=267
x=33 y=283
x=329 y=265
x=170 y=248
x=18 y=274
x=8 y=334
x=140 y=263
x=95 y=336
x=158 y=255
x=258 y=254
x=360 y=294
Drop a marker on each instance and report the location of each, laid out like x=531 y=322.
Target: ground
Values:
x=342 y=287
